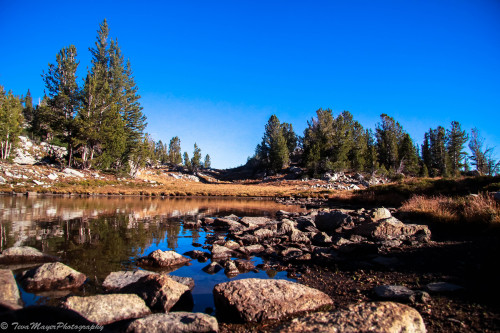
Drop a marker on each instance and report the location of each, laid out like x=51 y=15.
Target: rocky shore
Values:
x=351 y=267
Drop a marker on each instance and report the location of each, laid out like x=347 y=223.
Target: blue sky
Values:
x=213 y=72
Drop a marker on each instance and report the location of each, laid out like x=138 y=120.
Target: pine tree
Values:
x=290 y=137
x=409 y=157
x=389 y=135
x=174 y=151
x=187 y=161
x=196 y=159
x=28 y=108
x=371 y=159
x=273 y=151
x=455 y=147
x=479 y=158
x=11 y=121
x=64 y=96
x=207 y=164
x=316 y=142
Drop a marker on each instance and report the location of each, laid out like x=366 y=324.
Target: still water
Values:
x=97 y=236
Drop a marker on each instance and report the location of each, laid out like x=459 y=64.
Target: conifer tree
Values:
x=196 y=159
x=389 y=135
x=11 y=120
x=64 y=96
x=174 y=151
x=316 y=142
x=455 y=147
x=290 y=137
x=207 y=164
x=408 y=156
x=371 y=159
x=273 y=151
x=28 y=108
x=187 y=161
x=478 y=156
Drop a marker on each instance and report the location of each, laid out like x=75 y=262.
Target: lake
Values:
x=100 y=235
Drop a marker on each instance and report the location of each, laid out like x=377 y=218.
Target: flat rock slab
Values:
x=9 y=293
x=24 y=254
x=161 y=258
x=386 y=317
x=116 y=281
x=51 y=276
x=248 y=221
x=443 y=287
x=160 y=292
x=174 y=322
x=107 y=309
x=256 y=300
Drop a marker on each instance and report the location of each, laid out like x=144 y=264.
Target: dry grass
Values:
x=481 y=208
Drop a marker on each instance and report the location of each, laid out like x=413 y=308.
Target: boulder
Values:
x=24 y=254
x=2 y=180
x=9 y=293
x=380 y=214
x=51 y=276
x=328 y=222
x=116 y=281
x=161 y=258
x=248 y=221
x=174 y=322
x=74 y=173
x=400 y=294
x=387 y=317
x=443 y=287
x=52 y=176
x=244 y=265
x=256 y=300
x=392 y=228
x=227 y=224
x=160 y=292
x=230 y=268
x=221 y=252
x=107 y=309
x=201 y=256
x=212 y=268
x=251 y=249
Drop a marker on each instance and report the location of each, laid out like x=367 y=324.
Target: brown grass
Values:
x=481 y=208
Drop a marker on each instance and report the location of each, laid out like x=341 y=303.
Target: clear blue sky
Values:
x=213 y=72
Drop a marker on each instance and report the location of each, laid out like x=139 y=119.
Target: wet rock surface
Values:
x=174 y=322
x=161 y=258
x=363 y=317
x=24 y=254
x=107 y=309
x=9 y=293
x=51 y=276
x=256 y=300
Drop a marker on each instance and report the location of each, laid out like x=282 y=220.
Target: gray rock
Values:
x=221 y=252
x=107 y=309
x=328 y=222
x=212 y=268
x=380 y=214
x=74 y=173
x=392 y=228
x=443 y=287
x=116 y=281
x=174 y=322
x=244 y=265
x=400 y=294
x=256 y=300
x=251 y=249
x=9 y=293
x=230 y=268
x=201 y=256
x=51 y=276
x=161 y=258
x=2 y=180
x=263 y=233
x=387 y=317
x=187 y=281
x=227 y=223
x=322 y=238
x=24 y=254
x=230 y=244
x=247 y=221
x=160 y=292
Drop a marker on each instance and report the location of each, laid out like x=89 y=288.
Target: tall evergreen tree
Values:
x=207 y=163
x=478 y=156
x=273 y=151
x=196 y=159
x=408 y=156
x=174 y=151
x=11 y=120
x=187 y=161
x=455 y=147
x=64 y=96
x=389 y=135
x=290 y=137
x=28 y=108
x=316 y=141
x=371 y=160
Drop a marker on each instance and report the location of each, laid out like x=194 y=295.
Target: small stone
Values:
x=212 y=268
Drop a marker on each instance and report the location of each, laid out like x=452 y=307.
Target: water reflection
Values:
x=97 y=236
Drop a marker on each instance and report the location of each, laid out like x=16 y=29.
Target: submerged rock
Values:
x=174 y=322
x=161 y=258
x=365 y=317
x=160 y=292
x=24 y=254
x=51 y=276
x=9 y=293
x=256 y=300
x=107 y=309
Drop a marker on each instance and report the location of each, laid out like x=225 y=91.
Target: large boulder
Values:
x=116 y=281
x=387 y=317
x=160 y=292
x=51 y=276
x=9 y=293
x=107 y=309
x=256 y=300
x=221 y=252
x=380 y=214
x=161 y=258
x=328 y=222
x=174 y=322
x=392 y=228
x=24 y=255
x=257 y=220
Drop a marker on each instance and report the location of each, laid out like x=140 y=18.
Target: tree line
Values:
x=100 y=121
x=341 y=144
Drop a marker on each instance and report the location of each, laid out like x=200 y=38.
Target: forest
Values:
x=101 y=123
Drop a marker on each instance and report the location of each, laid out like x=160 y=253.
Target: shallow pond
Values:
x=100 y=235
